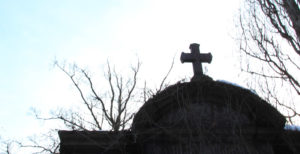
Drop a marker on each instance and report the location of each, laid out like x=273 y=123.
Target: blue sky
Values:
x=33 y=33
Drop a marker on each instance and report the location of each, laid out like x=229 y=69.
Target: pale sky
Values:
x=33 y=33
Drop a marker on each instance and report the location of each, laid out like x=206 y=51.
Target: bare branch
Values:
x=269 y=39
x=112 y=91
x=52 y=147
x=90 y=108
x=162 y=84
x=87 y=104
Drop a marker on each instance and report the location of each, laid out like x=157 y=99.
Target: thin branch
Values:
x=112 y=93
x=90 y=108
x=165 y=77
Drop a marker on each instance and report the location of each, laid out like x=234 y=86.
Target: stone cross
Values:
x=197 y=59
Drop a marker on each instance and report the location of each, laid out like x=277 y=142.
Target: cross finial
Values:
x=197 y=59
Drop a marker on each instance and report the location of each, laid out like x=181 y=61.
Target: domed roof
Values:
x=216 y=93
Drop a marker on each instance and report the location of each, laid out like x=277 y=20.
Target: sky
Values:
x=35 y=33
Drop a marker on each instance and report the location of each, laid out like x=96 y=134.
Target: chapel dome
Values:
x=204 y=104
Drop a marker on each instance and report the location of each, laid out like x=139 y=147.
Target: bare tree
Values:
x=105 y=106
x=270 y=51
x=101 y=111
x=44 y=143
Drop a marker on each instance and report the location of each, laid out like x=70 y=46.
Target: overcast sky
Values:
x=33 y=33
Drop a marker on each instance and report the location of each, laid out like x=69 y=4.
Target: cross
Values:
x=197 y=59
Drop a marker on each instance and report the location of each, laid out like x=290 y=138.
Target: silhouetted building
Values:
x=202 y=116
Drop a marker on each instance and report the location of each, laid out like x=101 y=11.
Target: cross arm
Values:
x=186 y=57
x=206 y=58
